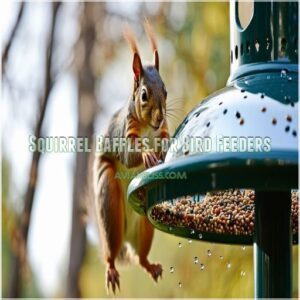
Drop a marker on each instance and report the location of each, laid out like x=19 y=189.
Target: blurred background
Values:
x=65 y=70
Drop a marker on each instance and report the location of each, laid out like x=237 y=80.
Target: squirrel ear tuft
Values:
x=137 y=67
x=151 y=37
x=156 y=60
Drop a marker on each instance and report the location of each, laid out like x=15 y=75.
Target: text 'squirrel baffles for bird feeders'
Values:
x=239 y=194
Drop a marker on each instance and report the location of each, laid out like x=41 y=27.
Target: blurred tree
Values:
x=22 y=227
x=85 y=128
x=9 y=218
x=12 y=36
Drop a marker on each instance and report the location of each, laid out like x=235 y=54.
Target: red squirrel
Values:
x=144 y=115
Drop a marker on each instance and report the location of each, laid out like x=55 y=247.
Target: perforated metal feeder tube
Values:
x=260 y=100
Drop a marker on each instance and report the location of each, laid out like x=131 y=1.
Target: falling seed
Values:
x=208 y=252
x=202 y=267
x=207 y=125
x=245 y=97
x=238 y=115
x=274 y=121
x=228 y=265
x=179 y=245
x=268 y=77
x=242 y=121
x=294 y=133
x=243 y=248
x=289 y=78
x=171 y=269
x=289 y=118
x=220 y=103
x=192 y=231
x=170 y=228
x=262 y=96
x=200 y=236
x=225 y=111
x=190 y=241
x=196 y=260
x=243 y=273
x=247 y=82
x=287 y=128
x=263 y=109
x=242 y=90
x=180 y=284
x=221 y=257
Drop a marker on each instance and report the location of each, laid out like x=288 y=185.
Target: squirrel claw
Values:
x=149 y=159
x=112 y=278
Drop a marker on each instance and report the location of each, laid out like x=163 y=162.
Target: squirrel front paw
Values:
x=150 y=159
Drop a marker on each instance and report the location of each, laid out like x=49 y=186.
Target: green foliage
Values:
x=200 y=65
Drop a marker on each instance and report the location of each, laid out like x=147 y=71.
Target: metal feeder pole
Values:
x=273 y=245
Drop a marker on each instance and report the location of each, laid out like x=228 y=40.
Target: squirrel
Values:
x=121 y=229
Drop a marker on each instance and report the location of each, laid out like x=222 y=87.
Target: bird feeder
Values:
x=231 y=194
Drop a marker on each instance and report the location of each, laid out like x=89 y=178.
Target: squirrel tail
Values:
x=88 y=189
x=127 y=255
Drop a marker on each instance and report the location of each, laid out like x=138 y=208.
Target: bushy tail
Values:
x=127 y=255
x=89 y=191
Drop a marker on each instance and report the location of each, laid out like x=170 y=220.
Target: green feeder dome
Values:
x=232 y=171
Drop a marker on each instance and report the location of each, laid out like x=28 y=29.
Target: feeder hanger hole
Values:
x=268 y=44
x=257 y=45
x=283 y=44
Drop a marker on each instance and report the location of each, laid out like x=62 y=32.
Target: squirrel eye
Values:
x=144 y=95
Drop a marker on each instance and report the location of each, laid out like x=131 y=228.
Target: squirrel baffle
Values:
x=254 y=190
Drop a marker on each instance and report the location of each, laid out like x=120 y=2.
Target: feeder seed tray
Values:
x=224 y=213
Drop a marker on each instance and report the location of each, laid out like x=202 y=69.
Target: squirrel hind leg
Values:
x=146 y=232
x=111 y=219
